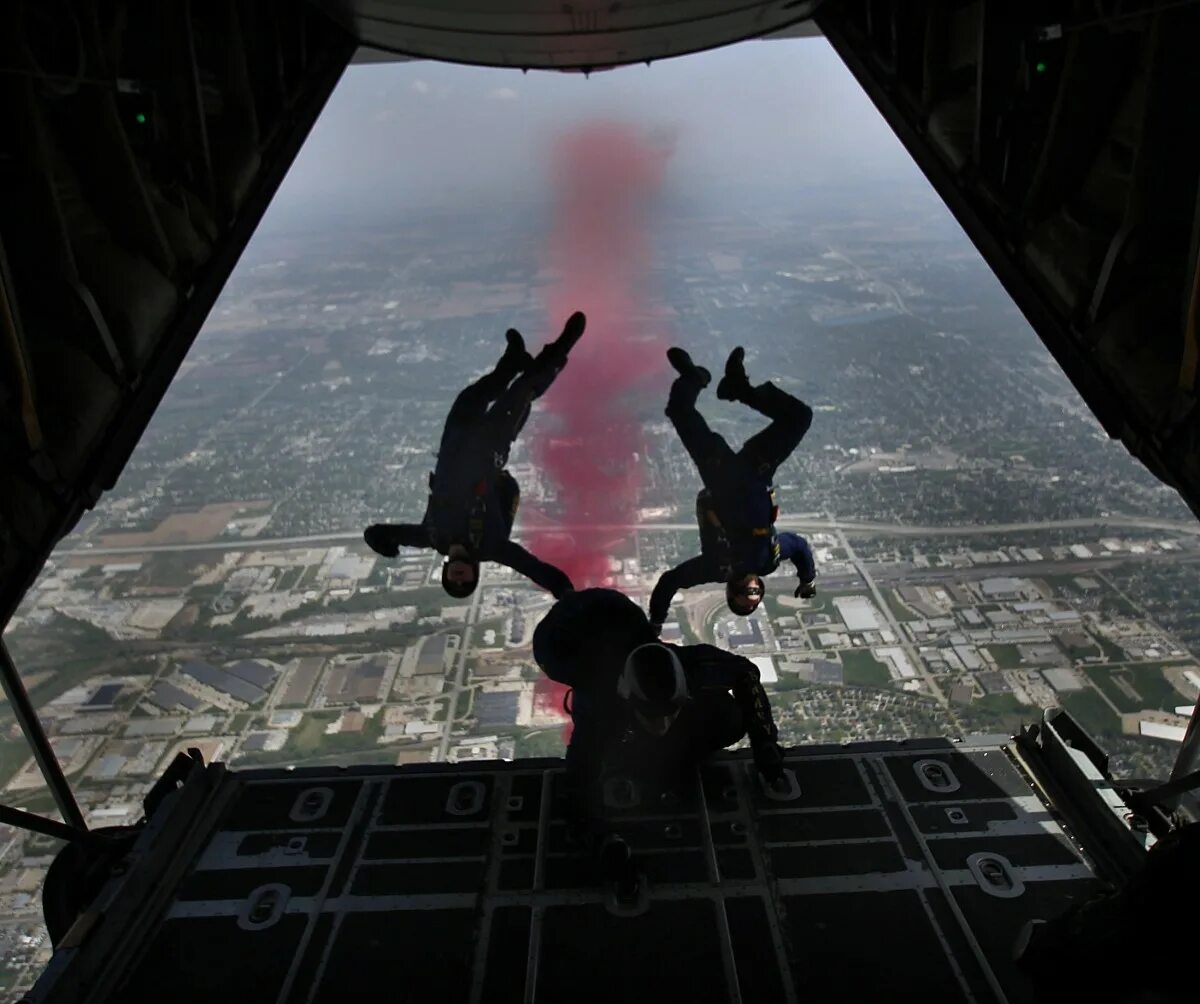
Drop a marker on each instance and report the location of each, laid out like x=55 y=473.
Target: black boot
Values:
x=381 y=539
x=686 y=368
x=571 y=333
x=516 y=358
x=734 y=385
x=554 y=354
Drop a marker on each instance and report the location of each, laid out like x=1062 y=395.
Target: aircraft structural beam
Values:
x=43 y=753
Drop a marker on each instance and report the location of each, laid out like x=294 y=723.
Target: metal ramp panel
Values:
x=888 y=871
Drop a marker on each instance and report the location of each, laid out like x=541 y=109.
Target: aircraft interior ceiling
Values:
x=145 y=140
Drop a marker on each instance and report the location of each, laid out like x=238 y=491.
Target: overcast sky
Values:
x=763 y=116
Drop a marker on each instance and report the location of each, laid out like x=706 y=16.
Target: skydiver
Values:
x=736 y=509
x=472 y=498
x=643 y=710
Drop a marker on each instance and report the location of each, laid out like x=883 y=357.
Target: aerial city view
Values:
x=983 y=550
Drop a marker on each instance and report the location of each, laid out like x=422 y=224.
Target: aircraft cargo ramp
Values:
x=888 y=871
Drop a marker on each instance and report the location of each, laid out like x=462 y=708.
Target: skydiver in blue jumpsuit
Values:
x=472 y=498
x=736 y=510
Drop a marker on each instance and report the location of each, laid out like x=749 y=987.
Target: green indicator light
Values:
x=1041 y=67
x=141 y=116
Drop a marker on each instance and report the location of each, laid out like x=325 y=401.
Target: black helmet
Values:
x=460 y=590
x=653 y=680
x=741 y=589
x=586 y=628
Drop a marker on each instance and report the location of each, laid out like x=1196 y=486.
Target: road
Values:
x=884 y=607
x=814 y=524
x=460 y=672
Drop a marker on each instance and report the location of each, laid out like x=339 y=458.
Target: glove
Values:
x=805 y=591
x=768 y=758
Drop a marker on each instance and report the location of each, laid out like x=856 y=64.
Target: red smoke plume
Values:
x=606 y=177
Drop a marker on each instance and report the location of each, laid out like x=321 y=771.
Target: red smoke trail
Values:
x=606 y=176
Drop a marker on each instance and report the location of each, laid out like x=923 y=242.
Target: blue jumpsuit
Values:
x=739 y=489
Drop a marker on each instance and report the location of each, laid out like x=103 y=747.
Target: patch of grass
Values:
x=785 y=682
x=1116 y=606
x=861 y=669
x=998 y=713
x=307 y=737
x=545 y=742
x=1147 y=681
x=40 y=802
x=1108 y=680
x=1006 y=656
x=1151 y=682
x=177 y=569
x=308 y=741
x=289 y=579
x=899 y=610
x=1089 y=651
x=13 y=754
x=1062 y=584
x=1089 y=709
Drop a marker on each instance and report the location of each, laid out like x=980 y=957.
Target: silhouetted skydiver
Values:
x=472 y=498
x=736 y=510
x=644 y=711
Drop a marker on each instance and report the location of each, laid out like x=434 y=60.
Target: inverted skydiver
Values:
x=644 y=712
x=736 y=510
x=472 y=498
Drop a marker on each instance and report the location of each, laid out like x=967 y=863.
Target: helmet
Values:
x=743 y=593
x=460 y=586
x=653 y=682
x=589 y=631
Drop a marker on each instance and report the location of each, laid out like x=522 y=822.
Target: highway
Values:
x=815 y=524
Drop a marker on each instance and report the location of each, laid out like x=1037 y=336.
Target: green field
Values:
x=998 y=713
x=1088 y=708
x=786 y=681
x=1063 y=585
x=1152 y=688
x=861 y=669
x=545 y=742
x=308 y=741
x=898 y=608
x=1006 y=656
x=13 y=754
x=1091 y=650
x=289 y=579
x=1116 y=606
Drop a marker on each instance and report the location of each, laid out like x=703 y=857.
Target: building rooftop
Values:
x=169 y=697
x=223 y=682
x=255 y=673
x=497 y=708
